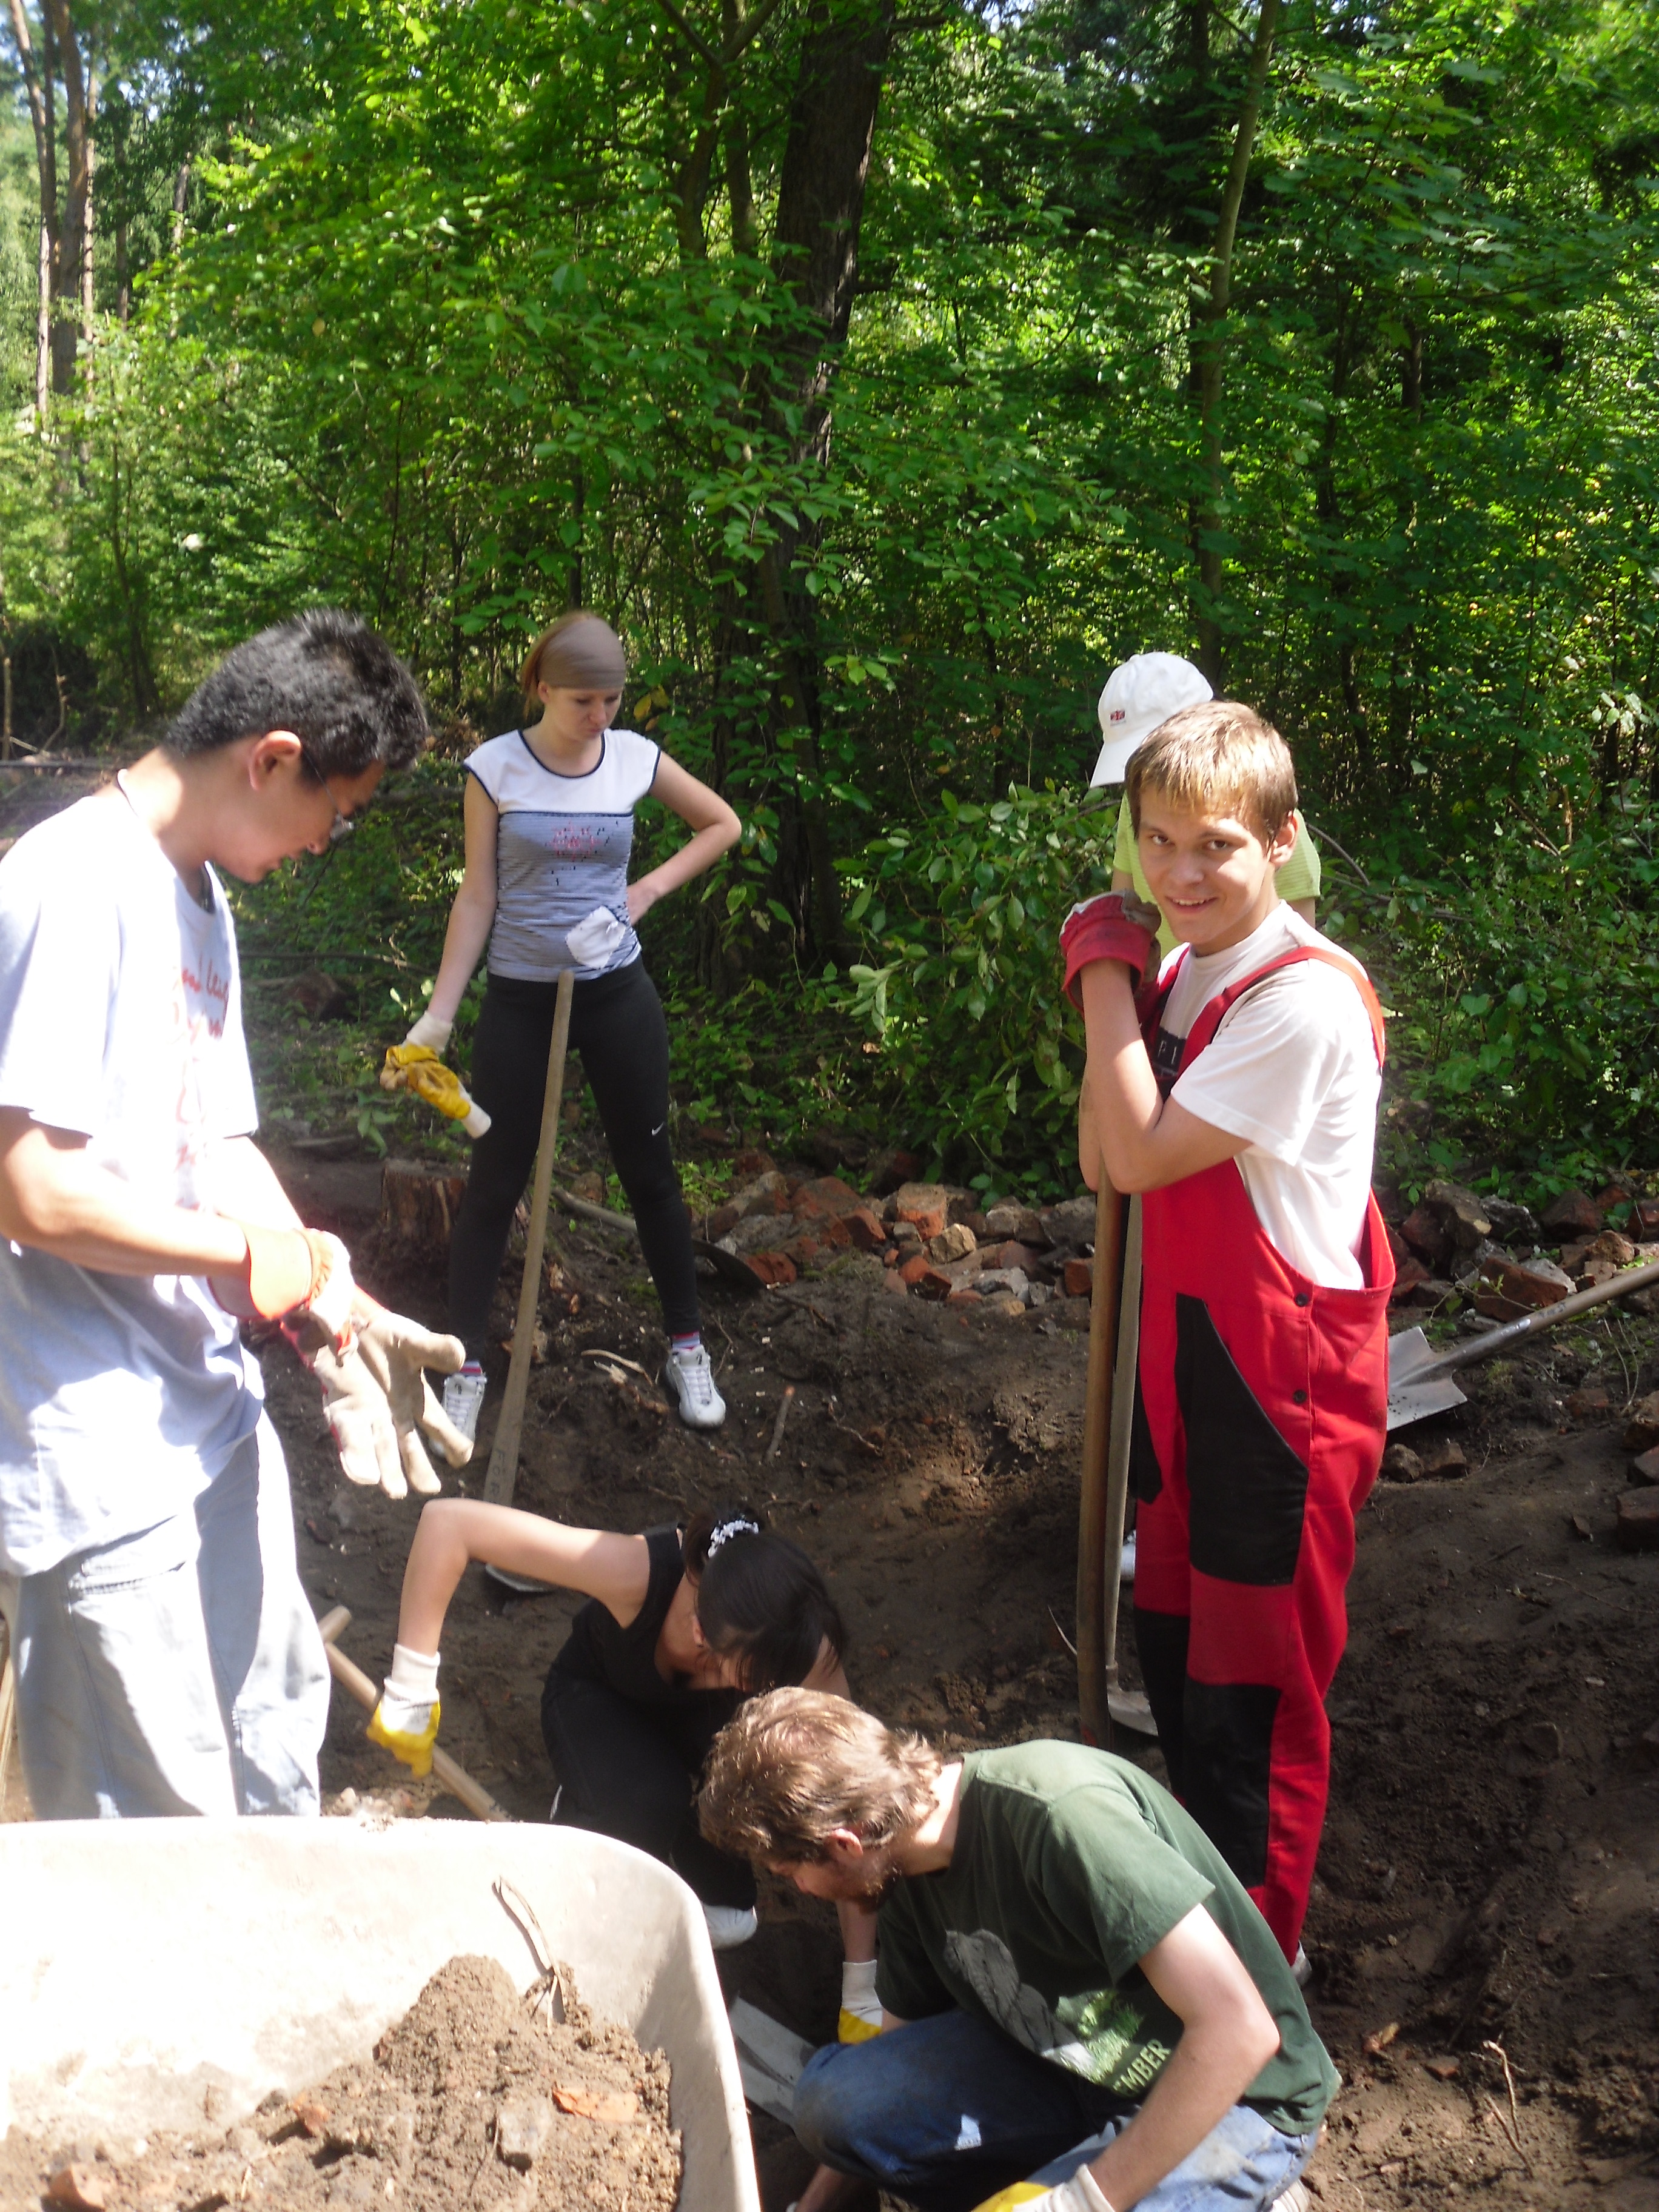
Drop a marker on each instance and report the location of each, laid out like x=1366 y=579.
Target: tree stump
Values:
x=419 y=1203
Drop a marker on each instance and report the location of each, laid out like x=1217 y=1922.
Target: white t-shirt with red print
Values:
x=121 y=1396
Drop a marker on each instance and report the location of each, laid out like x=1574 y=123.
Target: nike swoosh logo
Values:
x=661 y=1126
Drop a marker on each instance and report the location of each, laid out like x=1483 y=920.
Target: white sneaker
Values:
x=690 y=1376
x=1302 y=1967
x=730 y=1925
x=1126 y=1565
x=1293 y=2199
x=463 y=1397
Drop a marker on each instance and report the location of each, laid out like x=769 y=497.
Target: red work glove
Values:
x=1117 y=926
x=291 y=1271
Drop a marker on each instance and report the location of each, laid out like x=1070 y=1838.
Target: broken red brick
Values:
x=77 y=2186
x=1078 y=1278
x=1645 y=1468
x=916 y=1267
x=720 y=1223
x=1588 y=1405
x=1638 y=1520
x=1426 y=1233
x=926 y=1204
x=1573 y=1214
x=864 y=1231
x=770 y=1267
x=1642 y=1429
x=1407 y=1275
x=1645 y=1216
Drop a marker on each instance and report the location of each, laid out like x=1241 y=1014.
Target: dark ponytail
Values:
x=759 y=1596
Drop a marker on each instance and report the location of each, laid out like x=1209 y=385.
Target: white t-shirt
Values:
x=562 y=846
x=1293 y=1068
x=121 y=1396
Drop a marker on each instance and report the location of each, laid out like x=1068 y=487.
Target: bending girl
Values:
x=681 y=1624
x=549 y=827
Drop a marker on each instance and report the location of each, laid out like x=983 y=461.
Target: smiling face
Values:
x=1214 y=879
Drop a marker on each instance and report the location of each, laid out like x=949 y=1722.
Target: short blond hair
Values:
x=1217 y=758
x=796 y=1764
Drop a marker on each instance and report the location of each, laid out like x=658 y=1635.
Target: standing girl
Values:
x=549 y=827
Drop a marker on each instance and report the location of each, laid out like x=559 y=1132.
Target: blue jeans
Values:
x=948 y=2110
x=178 y=1670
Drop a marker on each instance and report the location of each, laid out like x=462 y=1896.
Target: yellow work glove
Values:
x=860 y=2007
x=1082 y=2193
x=417 y=1067
x=406 y=1719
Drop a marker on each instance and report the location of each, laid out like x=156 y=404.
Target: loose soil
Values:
x=1489 y=1881
x=1488 y=1887
x=471 y=2098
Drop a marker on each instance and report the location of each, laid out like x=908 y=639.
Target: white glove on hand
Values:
x=431 y=1031
x=406 y=1719
x=595 y=938
x=1082 y=2193
x=378 y=1399
x=860 y=2007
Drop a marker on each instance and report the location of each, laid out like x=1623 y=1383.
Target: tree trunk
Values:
x=43 y=114
x=419 y=1204
x=77 y=148
x=1208 y=338
x=826 y=164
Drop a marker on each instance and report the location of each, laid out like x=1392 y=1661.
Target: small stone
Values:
x=1645 y=1469
x=1401 y=1464
x=751 y=1162
x=1642 y=1429
x=1511 y=1224
x=1610 y=1245
x=1002 y=1220
x=1637 y=1528
x=720 y=1223
x=1645 y=1216
x=1464 y=1216
x=1588 y=1405
x=1443 y=2070
x=767 y=1193
x=864 y=1231
x=313 y=2117
x=1014 y=1254
x=826 y=1194
x=1073 y=1222
x=955 y=1242
x=1573 y=1214
x=1013 y=1308
x=1434 y=1293
x=1541 y=1741
x=523 y=2127
x=1009 y=1282
x=964 y=1298
x=1407 y=1275
x=1078 y=1279
x=1426 y=1233
x=928 y=1205
x=77 y=2186
x=1442 y=1458
x=764 y=1230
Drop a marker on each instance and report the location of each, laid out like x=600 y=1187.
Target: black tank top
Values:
x=625 y=1659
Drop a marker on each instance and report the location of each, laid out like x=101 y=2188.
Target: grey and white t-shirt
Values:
x=121 y=1396
x=562 y=846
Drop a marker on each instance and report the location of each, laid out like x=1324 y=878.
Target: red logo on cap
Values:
x=1118 y=714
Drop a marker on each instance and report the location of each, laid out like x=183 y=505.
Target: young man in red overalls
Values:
x=1238 y=1094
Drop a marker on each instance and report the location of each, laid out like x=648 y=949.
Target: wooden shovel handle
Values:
x=1092 y=1656
x=455 y=1776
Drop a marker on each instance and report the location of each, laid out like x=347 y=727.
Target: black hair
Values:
x=324 y=675
x=759 y=1596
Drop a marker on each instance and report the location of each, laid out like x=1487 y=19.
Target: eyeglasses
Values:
x=343 y=823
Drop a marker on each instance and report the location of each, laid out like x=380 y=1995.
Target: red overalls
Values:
x=1259 y=1425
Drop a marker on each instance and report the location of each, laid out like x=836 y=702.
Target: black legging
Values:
x=616 y=1024
x=631 y=1771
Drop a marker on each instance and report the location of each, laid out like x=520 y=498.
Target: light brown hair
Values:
x=1217 y=758
x=531 y=674
x=796 y=1764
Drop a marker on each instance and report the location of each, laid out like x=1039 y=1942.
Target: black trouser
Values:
x=616 y=1024
x=629 y=1772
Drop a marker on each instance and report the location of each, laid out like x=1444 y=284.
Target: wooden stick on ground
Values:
x=509 y=1425
x=455 y=1776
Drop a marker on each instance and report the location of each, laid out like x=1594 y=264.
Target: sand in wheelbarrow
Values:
x=471 y=2100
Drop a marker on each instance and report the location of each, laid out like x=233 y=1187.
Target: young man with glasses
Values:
x=166 y=1656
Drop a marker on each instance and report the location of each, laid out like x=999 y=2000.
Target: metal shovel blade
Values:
x=1411 y=1401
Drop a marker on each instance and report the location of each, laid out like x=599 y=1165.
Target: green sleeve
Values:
x=905 y=1981
x=1300 y=876
x=1123 y=851
x=1117 y=1886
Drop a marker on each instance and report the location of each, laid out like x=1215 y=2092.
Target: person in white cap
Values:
x=1141 y=693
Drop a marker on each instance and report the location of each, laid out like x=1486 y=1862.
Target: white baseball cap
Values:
x=1143 y=692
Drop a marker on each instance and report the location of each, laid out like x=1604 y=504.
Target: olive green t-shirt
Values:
x=1299 y=877
x=1069 y=1865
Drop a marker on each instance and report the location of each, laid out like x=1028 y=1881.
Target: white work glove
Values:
x=378 y=1399
x=1082 y=2193
x=595 y=938
x=860 y=2007
x=406 y=1719
x=431 y=1031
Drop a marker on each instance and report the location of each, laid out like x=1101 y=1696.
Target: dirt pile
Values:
x=472 y=2099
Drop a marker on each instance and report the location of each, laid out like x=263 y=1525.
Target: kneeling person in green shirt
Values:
x=1074 y=1986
